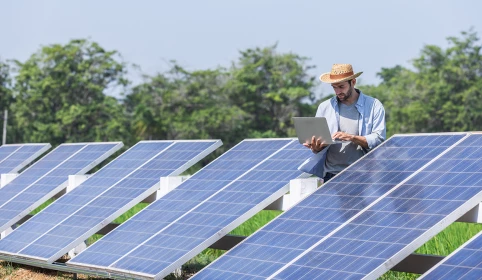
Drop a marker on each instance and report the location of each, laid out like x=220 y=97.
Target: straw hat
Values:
x=339 y=73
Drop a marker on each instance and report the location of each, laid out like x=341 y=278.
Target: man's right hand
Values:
x=316 y=145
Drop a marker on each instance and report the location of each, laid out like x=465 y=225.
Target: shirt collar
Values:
x=361 y=99
x=359 y=102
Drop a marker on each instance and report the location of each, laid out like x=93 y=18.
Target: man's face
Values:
x=343 y=90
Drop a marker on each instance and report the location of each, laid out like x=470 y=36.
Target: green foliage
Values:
x=184 y=105
x=5 y=88
x=444 y=93
x=256 y=222
x=270 y=88
x=42 y=206
x=5 y=83
x=450 y=239
x=60 y=95
x=131 y=212
x=256 y=98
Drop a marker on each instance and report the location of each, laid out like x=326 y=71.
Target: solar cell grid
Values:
x=14 y=157
x=200 y=186
x=338 y=201
x=353 y=238
x=187 y=228
x=402 y=221
x=7 y=150
x=105 y=195
x=47 y=177
x=36 y=171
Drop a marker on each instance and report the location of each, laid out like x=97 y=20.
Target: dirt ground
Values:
x=9 y=271
x=12 y=271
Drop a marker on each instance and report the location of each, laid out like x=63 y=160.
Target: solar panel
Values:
x=103 y=197
x=402 y=221
x=14 y=157
x=201 y=210
x=47 y=177
x=464 y=263
x=330 y=207
x=7 y=150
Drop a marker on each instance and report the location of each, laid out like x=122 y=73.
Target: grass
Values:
x=255 y=223
x=42 y=206
x=450 y=239
x=131 y=212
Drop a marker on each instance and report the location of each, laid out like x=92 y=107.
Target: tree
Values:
x=450 y=83
x=5 y=90
x=185 y=105
x=59 y=95
x=271 y=88
x=5 y=83
x=256 y=97
x=396 y=92
x=444 y=93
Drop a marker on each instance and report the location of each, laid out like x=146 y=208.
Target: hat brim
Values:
x=325 y=78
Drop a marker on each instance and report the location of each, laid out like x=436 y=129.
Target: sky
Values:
x=210 y=33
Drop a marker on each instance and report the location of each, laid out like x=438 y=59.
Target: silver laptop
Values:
x=307 y=127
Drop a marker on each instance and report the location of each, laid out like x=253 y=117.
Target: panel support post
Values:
x=74 y=181
x=472 y=216
x=166 y=184
x=7 y=178
x=299 y=189
x=6 y=232
x=79 y=248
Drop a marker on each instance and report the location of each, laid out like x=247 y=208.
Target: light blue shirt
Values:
x=371 y=124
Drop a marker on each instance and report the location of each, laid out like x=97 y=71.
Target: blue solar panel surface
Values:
x=465 y=263
x=15 y=157
x=339 y=200
x=210 y=200
x=134 y=175
x=39 y=169
x=46 y=176
x=6 y=151
x=389 y=229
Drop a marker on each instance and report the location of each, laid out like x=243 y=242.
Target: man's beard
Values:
x=347 y=94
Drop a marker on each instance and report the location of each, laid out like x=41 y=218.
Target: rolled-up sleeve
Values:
x=379 y=130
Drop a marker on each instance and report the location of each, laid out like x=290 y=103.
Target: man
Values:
x=353 y=117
